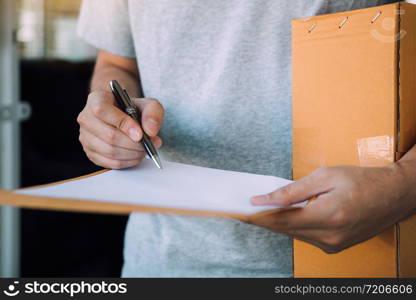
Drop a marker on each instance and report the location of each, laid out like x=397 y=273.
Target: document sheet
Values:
x=177 y=186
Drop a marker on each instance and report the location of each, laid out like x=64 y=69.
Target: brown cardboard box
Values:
x=354 y=103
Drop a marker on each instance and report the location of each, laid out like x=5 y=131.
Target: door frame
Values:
x=9 y=138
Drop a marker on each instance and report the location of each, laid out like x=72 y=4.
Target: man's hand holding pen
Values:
x=110 y=137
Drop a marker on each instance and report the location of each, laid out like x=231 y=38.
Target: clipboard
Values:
x=89 y=205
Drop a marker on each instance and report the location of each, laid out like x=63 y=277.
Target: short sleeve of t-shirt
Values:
x=105 y=25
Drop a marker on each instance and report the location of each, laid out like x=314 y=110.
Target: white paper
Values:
x=176 y=186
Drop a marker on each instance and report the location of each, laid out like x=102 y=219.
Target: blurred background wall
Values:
x=47 y=30
x=55 y=68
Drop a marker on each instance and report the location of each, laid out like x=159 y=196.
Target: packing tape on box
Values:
x=376 y=151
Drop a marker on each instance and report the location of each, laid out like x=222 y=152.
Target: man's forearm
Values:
x=112 y=67
x=105 y=73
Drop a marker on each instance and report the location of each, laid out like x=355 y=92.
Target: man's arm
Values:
x=109 y=67
x=110 y=138
x=352 y=203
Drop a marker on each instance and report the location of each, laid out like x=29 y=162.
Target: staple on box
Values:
x=343 y=23
x=376 y=17
x=312 y=27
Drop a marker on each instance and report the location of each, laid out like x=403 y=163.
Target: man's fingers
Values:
x=110 y=137
x=152 y=114
x=95 y=144
x=291 y=221
x=298 y=191
x=313 y=224
x=157 y=141
x=105 y=162
x=108 y=133
x=290 y=194
x=113 y=116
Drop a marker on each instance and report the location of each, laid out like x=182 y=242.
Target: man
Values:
x=220 y=71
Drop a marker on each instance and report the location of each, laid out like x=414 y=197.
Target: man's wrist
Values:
x=404 y=178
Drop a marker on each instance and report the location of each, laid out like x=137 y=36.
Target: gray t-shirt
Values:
x=222 y=70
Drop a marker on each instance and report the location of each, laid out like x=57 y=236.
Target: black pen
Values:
x=125 y=103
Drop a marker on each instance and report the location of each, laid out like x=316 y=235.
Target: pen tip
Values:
x=157 y=162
